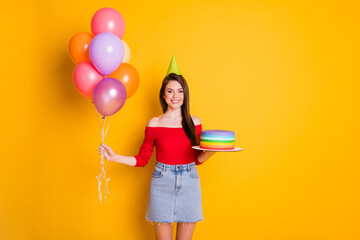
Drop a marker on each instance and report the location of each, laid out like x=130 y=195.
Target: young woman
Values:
x=175 y=194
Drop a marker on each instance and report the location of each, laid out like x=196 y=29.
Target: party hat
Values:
x=173 y=68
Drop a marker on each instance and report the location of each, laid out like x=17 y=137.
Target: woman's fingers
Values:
x=101 y=150
x=106 y=146
x=104 y=150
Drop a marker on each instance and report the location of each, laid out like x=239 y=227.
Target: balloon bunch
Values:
x=103 y=72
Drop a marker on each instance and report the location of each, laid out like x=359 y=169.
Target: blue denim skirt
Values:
x=175 y=194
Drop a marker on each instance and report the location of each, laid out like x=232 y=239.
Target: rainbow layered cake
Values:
x=217 y=139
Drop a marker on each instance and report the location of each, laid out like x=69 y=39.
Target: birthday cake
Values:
x=217 y=139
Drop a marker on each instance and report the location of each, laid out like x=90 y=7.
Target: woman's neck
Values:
x=173 y=113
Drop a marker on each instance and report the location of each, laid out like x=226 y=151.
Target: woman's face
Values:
x=174 y=94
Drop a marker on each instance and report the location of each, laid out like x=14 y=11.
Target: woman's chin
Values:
x=174 y=106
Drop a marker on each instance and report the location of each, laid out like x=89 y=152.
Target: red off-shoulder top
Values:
x=173 y=147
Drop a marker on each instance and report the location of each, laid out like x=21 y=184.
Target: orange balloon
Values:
x=79 y=47
x=129 y=76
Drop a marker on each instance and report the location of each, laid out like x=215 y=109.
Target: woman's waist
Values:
x=175 y=166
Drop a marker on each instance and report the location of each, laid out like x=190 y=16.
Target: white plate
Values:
x=236 y=149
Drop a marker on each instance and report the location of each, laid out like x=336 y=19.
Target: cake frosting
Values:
x=217 y=139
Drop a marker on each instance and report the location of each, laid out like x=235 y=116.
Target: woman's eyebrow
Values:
x=173 y=89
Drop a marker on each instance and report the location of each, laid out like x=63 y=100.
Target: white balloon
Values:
x=127 y=52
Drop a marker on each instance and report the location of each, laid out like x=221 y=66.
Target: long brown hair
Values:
x=187 y=122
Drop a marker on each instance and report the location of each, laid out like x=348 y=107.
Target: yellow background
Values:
x=284 y=75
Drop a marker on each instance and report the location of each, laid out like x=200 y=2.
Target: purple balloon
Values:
x=109 y=96
x=106 y=52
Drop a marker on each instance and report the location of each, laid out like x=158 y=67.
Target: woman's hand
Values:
x=205 y=155
x=106 y=151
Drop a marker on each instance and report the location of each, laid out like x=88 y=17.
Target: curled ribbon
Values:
x=103 y=186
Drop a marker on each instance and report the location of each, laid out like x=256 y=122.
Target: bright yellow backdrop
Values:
x=284 y=75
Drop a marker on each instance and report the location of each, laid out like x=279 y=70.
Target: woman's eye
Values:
x=181 y=91
x=169 y=91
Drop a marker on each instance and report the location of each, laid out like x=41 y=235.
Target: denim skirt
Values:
x=175 y=194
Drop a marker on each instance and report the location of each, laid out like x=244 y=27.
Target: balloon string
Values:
x=103 y=187
x=102 y=131
x=108 y=126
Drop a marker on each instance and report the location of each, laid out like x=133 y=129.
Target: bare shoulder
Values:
x=196 y=120
x=154 y=122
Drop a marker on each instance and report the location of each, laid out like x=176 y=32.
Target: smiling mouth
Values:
x=175 y=102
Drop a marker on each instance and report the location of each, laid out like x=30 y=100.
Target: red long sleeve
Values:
x=172 y=146
x=146 y=148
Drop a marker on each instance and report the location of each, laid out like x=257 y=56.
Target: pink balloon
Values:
x=86 y=78
x=106 y=52
x=108 y=20
x=109 y=96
